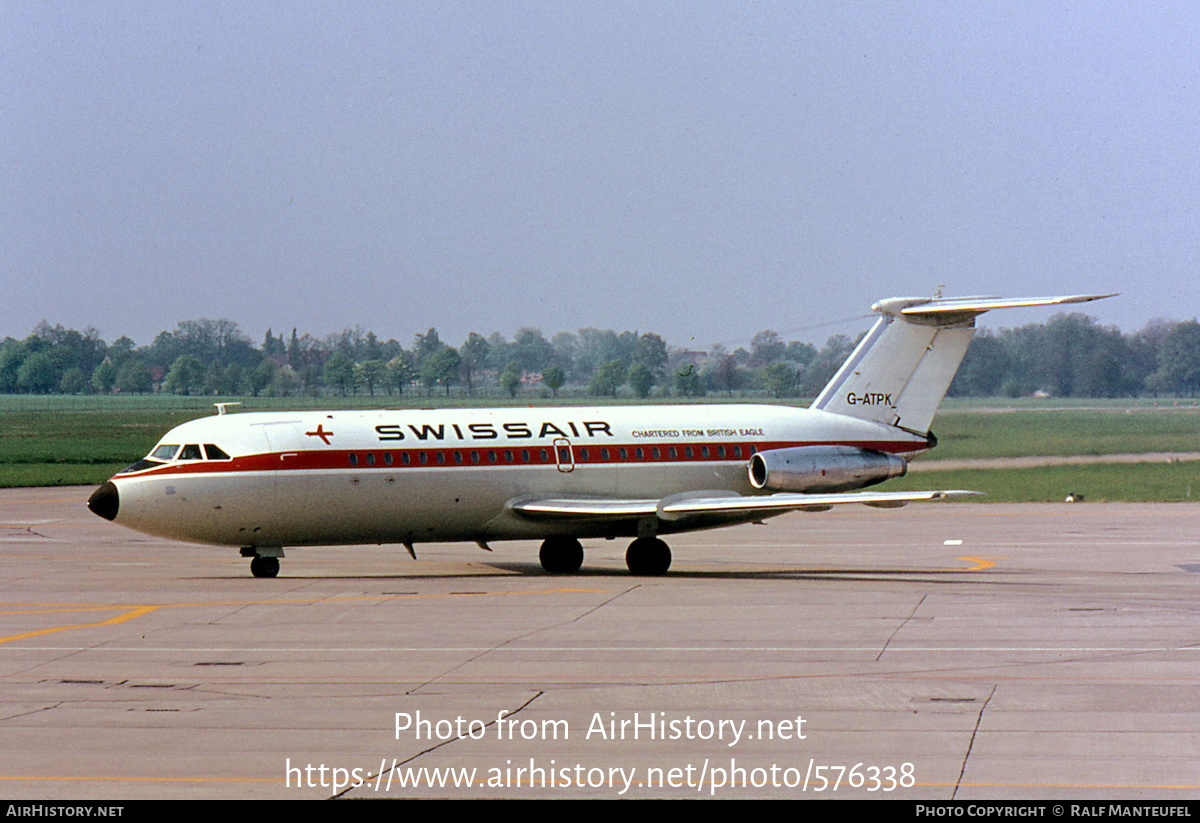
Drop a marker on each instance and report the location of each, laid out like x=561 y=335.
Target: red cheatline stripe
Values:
x=540 y=455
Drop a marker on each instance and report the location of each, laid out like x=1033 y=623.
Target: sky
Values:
x=702 y=170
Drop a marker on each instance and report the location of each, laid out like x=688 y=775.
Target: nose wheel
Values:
x=264 y=560
x=264 y=566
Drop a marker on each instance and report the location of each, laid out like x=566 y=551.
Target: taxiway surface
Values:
x=944 y=651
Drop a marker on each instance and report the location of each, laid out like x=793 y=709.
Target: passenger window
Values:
x=190 y=452
x=215 y=453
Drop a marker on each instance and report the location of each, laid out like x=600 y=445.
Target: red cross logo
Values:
x=321 y=433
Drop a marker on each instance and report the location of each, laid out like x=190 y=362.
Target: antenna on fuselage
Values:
x=223 y=408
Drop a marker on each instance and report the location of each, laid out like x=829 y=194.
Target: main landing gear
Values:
x=561 y=555
x=646 y=557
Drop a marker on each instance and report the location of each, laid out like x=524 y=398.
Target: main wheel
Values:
x=648 y=557
x=264 y=566
x=561 y=555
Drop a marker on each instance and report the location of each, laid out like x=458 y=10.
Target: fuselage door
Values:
x=564 y=455
x=282 y=439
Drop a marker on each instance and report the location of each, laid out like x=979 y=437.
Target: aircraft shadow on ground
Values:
x=535 y=571
x=933 y=575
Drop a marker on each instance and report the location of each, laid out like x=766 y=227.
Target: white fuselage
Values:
x=419 y=476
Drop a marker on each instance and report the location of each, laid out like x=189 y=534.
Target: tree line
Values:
x=1071 y=355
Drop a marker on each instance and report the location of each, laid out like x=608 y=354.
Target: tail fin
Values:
x=901 y=370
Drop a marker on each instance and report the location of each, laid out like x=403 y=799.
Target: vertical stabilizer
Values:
x=902 y=369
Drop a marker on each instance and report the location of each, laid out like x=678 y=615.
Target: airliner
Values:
x=263 y=481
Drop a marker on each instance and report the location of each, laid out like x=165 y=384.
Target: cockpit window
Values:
x=190 y=452
x=215 y=453
x=164 y=452
x=144 y=463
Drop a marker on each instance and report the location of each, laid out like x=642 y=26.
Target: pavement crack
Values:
x=592 y=610
x=522 y=636
x=911 y=616
x=971 y=743
x=377 y=777
x=31 y=712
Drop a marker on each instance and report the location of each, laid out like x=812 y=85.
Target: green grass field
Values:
x=1102 y=483
x=83 y=440
x=971 y=434
x=74 y=447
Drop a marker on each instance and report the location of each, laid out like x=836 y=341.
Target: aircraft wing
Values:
x=691 y=504
x=779 y=503
x=570 y=508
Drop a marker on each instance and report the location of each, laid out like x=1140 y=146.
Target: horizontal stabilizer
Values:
x=978 y=305
x=903 y=367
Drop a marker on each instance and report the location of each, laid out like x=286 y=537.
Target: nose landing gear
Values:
x=264 y=566
x=264 y=560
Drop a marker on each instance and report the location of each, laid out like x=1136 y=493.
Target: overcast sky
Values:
x=702 y=170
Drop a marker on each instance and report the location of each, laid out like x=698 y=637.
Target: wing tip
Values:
x=950 y=494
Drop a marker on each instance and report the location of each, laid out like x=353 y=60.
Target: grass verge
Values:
x=1098 y=483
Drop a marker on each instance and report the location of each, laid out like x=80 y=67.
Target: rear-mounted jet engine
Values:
x=822 y=468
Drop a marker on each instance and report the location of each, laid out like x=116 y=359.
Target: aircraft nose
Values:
x=105 y=501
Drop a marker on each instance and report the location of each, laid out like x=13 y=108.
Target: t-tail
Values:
x=902 y=369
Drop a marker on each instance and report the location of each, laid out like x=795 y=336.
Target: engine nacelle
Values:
x=822 y=468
